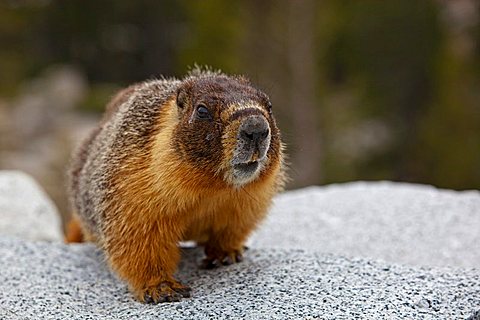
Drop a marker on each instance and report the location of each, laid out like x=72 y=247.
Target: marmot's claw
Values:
x=165 y=292
x=238 y=257
x=210 y=263
x=227 y=261
x=216 y=260
x=147 y=298
x=175 y=297
x=184 y=291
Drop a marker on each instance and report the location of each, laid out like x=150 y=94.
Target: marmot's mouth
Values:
x=247 y=168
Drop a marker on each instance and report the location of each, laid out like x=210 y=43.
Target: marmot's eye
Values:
x=202 y=112
x=269 y=106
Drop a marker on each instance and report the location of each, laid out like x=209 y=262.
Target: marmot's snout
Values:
x=254 y=132
x=253 y=142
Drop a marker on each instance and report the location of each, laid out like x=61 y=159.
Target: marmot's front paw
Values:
x=166 y=291
x=217 y=258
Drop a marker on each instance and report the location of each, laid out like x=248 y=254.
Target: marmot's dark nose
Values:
x=254 y=129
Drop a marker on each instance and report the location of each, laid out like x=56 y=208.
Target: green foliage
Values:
x=450 y=130
x=212 y=35
x=98 y=97
x=15 y=29
x=397 y=86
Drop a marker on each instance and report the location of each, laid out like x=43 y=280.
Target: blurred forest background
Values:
x=363 y=90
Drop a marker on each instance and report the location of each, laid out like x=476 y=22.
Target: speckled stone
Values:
x=410 y=224
x=40 y=280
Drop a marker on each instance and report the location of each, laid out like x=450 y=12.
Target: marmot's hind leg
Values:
x=74 y=231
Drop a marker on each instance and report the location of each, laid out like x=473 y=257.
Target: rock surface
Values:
x=25 y=209
x=397 y=222
x=419 y=247
x=57 y=281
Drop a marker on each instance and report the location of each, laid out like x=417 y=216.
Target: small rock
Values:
x=25 y=209
x=423 y=303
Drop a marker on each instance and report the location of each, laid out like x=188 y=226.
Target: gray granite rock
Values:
x=55 y=281
x=397 y=222
x=300 y=265
x=25 y=210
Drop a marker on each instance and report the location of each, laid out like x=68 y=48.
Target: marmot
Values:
x=172 y=160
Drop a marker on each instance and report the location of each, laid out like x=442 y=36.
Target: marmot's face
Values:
x=226 y=128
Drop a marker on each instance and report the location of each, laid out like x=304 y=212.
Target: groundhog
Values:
x=172 y=160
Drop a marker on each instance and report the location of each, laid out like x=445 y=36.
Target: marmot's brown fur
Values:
x=193 y=159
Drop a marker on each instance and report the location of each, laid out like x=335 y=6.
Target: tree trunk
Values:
x=306 y=159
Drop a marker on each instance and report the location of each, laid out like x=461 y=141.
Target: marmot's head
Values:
x=226 y=128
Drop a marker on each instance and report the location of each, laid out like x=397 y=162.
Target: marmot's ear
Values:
x=182 y=98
